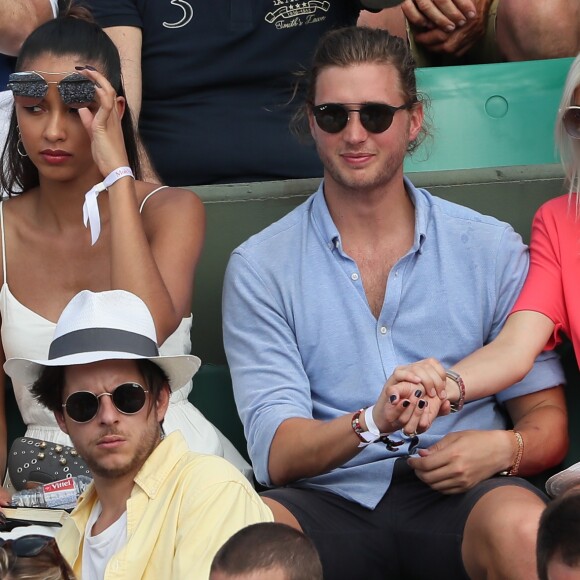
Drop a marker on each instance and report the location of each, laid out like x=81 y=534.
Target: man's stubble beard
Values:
x=147 y=443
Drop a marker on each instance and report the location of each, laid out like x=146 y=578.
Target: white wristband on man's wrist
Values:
x=371 y=425
x=91 y=217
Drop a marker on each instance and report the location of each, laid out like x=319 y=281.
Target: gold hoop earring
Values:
x=18 y=148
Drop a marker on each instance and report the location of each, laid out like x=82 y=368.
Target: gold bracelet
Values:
x=515 y=467
x=513 y=470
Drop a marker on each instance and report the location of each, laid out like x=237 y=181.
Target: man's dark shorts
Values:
x=413 y=533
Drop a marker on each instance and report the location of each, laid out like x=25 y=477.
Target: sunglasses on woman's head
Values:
x=374 y=117
x=83 y=406
x=32 y=545
x=29 y=88
x=571 y=120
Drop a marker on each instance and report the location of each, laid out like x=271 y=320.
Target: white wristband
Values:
x=371 y=425
x=91 y=217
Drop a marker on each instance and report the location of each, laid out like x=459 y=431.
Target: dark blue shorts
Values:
x=414 y=532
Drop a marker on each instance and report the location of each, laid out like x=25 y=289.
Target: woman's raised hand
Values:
x=103 y=123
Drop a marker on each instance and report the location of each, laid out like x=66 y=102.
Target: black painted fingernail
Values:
x=422 y=403
x=418 y=393
x=88 y=66
x=393 y=398
x=80 y=67
x=406 y=404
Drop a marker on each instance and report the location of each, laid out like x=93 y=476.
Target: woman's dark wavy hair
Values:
x=75 y=33
x=355 y=45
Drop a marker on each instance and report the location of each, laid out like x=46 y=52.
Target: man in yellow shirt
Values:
x=155 y=509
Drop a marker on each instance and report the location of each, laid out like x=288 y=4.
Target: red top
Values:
x=553 y=283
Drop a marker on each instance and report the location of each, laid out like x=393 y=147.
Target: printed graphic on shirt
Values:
x=289 y=14
x=183 y=14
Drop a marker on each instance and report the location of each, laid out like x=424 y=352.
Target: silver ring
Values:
x=408 y=435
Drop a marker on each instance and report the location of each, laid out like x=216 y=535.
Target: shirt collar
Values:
x=160 y=463
x=331 y=235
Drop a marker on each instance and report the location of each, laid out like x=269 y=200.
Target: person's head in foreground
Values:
x=267 y=551
x=105 y=381
x=33 y=557
x=558 y=550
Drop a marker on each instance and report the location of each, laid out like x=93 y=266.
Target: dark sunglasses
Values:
x=571 y=120
x=32 y=545
x=29 y=88
x=374 y=117
x=128 y=398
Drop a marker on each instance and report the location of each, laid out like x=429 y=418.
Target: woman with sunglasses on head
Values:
x=33 y=557
x=71 y=152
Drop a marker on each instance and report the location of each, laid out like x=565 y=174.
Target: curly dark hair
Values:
x=49 y=386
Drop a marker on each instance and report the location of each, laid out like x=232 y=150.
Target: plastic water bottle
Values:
x=62 y=494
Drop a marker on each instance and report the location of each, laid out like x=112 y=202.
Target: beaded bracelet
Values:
x=456 y=378
x=356 y=426
x=366 y=437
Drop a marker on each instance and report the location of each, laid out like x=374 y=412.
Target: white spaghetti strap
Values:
x=149 y=195
x=3 y=243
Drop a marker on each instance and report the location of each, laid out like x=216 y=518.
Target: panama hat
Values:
x=564 y=480
x=99 y=326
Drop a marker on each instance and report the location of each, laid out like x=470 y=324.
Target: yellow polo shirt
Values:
x=182 y=509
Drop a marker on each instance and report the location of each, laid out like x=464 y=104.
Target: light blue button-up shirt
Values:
x=301 y=340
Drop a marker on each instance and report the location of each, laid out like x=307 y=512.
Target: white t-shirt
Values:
x=99 y=549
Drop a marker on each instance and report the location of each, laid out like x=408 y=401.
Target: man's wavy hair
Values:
x=350 y=46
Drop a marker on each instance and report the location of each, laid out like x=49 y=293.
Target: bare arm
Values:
x=128 y=40
x=462 y=459
x=542 y=420
x=506 y=360
x=308 y=447
x=154 y=255
x=18 y=18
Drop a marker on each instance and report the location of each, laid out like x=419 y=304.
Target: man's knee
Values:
x=500 y=534
x=536 y=29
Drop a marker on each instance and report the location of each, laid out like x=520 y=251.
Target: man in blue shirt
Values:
x=325 y=313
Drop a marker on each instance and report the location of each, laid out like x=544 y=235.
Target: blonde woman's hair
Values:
x=568 y=147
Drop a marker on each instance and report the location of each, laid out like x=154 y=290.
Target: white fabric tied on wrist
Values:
x=370 y=421
x=91 y=217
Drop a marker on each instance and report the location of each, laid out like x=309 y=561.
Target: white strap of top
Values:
x=3 y=242
x=149 y=195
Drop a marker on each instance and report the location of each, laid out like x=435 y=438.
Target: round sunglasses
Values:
x=374 y=117
x=83 y=406
x=29 y=88
x=571 y=121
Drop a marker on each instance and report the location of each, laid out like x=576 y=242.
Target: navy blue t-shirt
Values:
x=217 y=80
x=6 y=67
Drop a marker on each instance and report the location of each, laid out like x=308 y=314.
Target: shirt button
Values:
x=383 y=330
x=354 y=276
